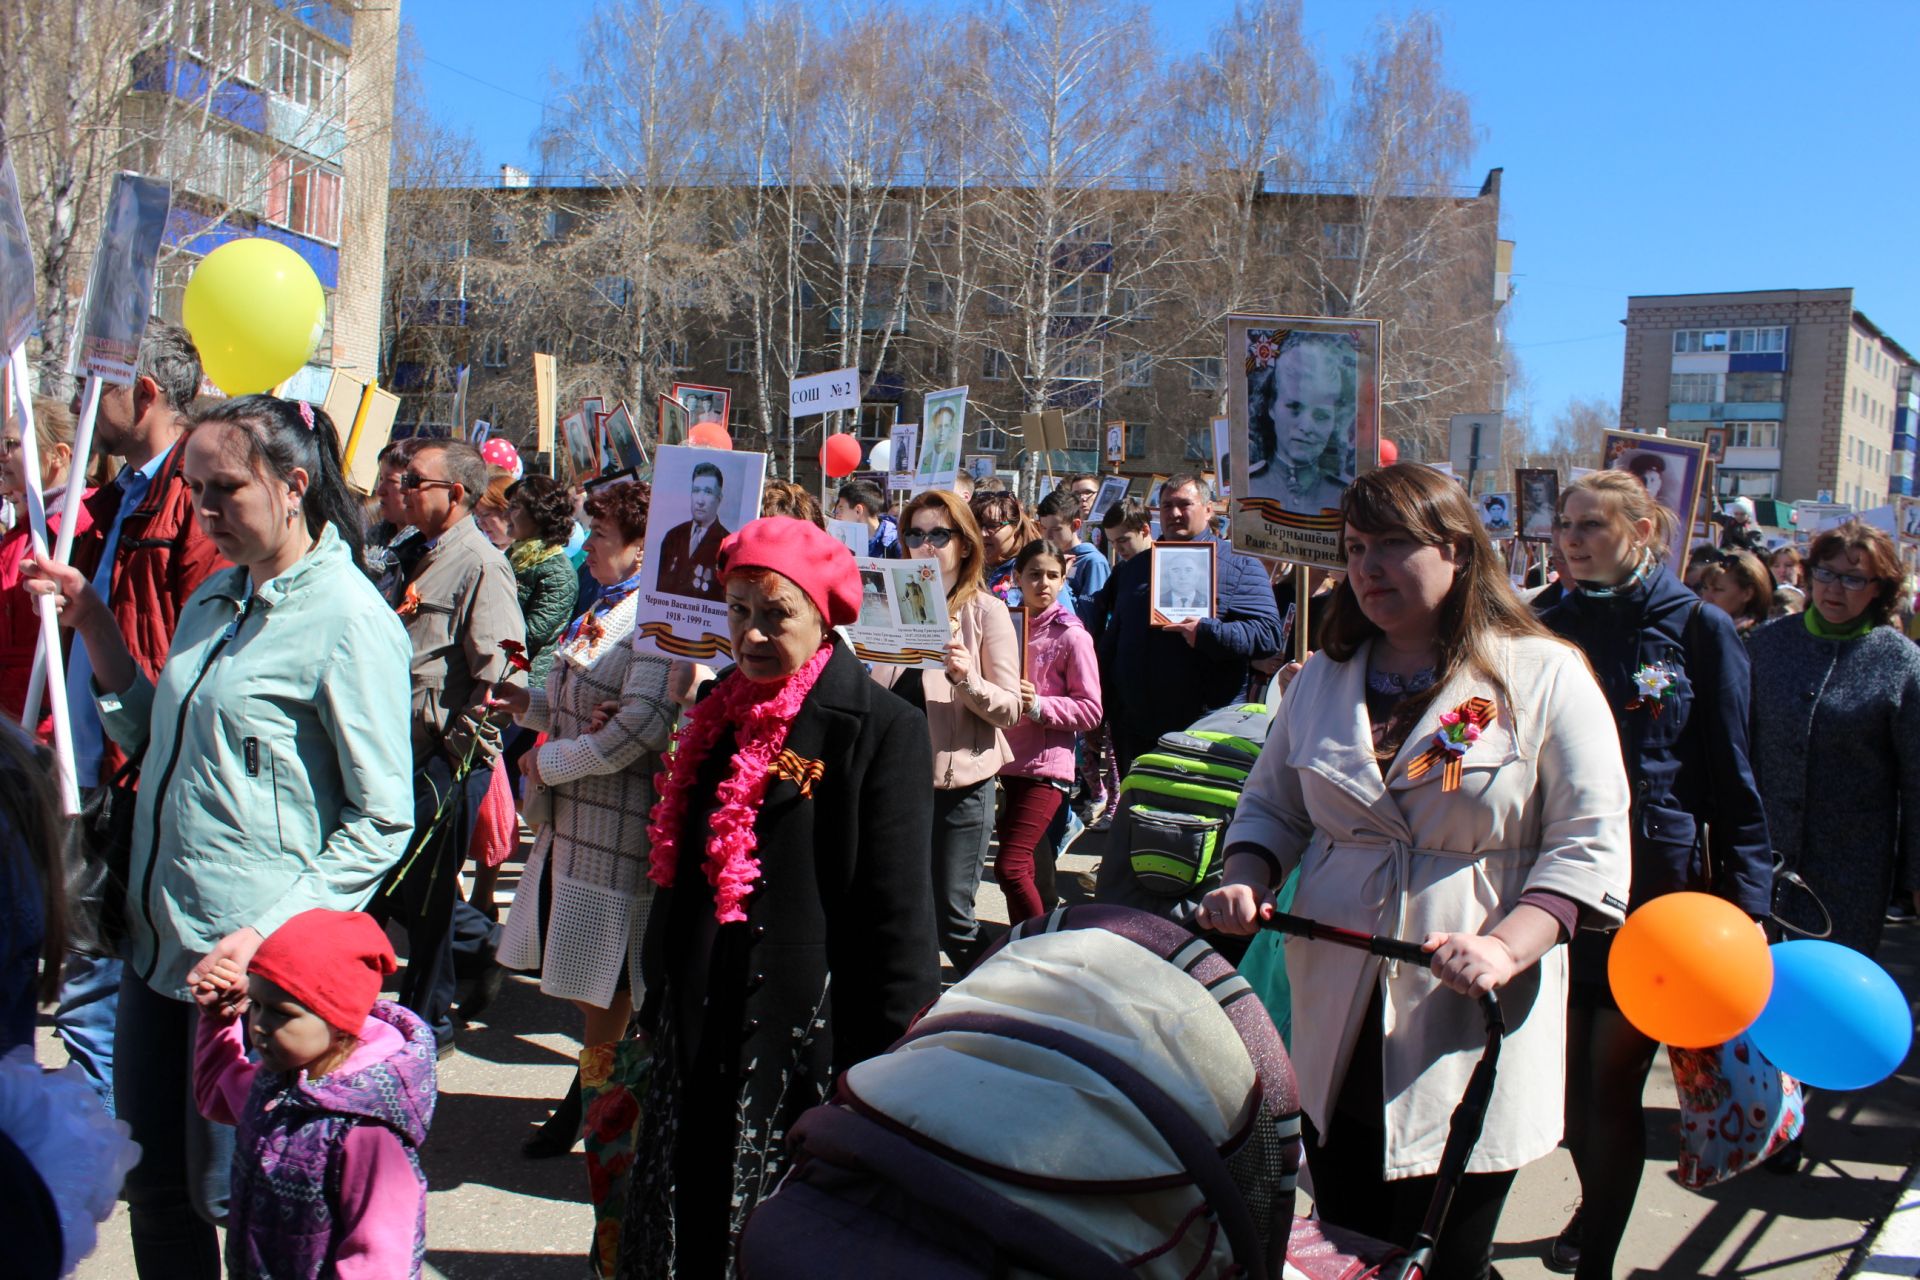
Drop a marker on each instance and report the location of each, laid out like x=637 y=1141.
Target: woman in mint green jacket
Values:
x=276 y=773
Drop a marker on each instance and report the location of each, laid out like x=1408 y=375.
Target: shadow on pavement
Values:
x=476 y=1139
x=456 y=1264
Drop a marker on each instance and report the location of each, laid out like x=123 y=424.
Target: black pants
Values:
x=446 y=938
x=1351 y=1190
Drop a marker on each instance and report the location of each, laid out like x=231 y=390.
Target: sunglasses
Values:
x=994 y=526
x=935 y=538
x=414 y=480
x=1851 y=581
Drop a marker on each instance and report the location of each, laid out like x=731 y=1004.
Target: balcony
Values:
x=872 y=319
x=158 y=71
x=1748 y=458
x=446 y=312
x=1745 y=411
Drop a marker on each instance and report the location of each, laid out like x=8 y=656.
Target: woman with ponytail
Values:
x=275 y=776
x=1676 y=677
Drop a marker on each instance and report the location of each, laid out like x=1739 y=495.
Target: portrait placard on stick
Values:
x=673 y=422
x=119 y=298
x=1906 y=518
x=906 y=452
x=903 y=614
x=1496 y=514
x=17 y=274
x=1116 y=443
x=703 y=403
x=1112 y=489
x=943 y=424
x=1537 y=492
x=624 y=440
x=699 y=497
x=1303 y=399
x=583 y=454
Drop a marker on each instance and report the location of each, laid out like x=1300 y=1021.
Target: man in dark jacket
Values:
x=1167 y=677
x=145 y=554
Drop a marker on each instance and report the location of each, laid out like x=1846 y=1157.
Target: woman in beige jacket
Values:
x=968 y=705
x=1491 y=855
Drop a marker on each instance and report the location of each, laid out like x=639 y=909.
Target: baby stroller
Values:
x=1103 y=1096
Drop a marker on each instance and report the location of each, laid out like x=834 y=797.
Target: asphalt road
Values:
x=492 y=1215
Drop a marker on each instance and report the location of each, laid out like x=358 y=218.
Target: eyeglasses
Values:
x=994 y=526
x=1851 y=581
x=935 y=538
x=414 y=480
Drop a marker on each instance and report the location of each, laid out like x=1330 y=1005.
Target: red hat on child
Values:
x=331 y=962
x=804 y=553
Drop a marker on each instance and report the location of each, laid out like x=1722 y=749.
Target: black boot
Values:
x=562 y=1129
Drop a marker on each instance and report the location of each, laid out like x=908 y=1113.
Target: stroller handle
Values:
x=1387 y=948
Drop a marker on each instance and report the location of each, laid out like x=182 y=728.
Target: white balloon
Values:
x=881 y=459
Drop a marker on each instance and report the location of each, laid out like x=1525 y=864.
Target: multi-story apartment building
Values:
x=1816 y=400
x=1111 y=323
x=272 y=118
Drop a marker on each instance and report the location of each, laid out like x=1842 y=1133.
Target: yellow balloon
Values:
x=256 y=312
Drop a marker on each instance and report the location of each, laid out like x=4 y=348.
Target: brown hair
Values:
x=52 y=425
x=30 y=819
x=1883 y=563
x=1791 y=552
x=1745 y=569
x=1433 y=510
x=494 y=500
x=973 y=547
x=624 y=502
x=785 y=498
x=1621 y=493
x=993 y=507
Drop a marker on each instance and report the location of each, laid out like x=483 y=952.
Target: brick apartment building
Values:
x=1131 y=343
x=1817 y=401
x=272 y=118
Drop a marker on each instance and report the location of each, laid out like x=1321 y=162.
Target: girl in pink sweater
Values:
x=1059 y=698
x=326 y=1165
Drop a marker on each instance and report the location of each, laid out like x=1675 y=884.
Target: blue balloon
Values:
x=1835 y=1020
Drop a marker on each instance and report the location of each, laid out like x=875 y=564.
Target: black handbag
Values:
x=99 y=858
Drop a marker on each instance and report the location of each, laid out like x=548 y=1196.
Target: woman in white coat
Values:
x=581 y=908
x=1491 y=848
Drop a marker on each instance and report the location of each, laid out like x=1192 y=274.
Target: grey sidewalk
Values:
x=492 y=1215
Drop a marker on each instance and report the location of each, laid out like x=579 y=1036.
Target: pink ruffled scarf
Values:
x=761 y=714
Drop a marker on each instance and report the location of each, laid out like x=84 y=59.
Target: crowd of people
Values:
x=325 y=712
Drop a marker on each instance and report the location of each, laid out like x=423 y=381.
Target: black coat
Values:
x=1688 y=764
x=836 y=957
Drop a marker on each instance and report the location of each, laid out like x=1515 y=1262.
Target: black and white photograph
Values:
x=916 y=608
x=16 y=262
x=1907 y=517
x=1116 y=443
x=120 y=285
x=1303 y=400
x=981 y=466
x=1181 y=582
x=906 y=451
x=1537 y=491
x=1496 y=514
x=623 y=440
x=874 y=609
x=583 y=457
x=703 y=404
x=1112 y=489
x=672 y=423
x=699 y=497
x=912 y=630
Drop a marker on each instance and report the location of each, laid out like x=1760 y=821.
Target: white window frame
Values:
x=1206 y=373
x=995 y=365
x=1760 y=434
x=1341 y=240
x=493 y=351
x=739 y=355
x=1136 y=370
x=678 y=357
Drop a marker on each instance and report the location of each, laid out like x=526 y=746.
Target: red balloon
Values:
x=710 y=435
x=1389 y=452
x=839 y=455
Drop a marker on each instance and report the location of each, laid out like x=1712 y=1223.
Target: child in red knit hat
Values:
x=326 y=1165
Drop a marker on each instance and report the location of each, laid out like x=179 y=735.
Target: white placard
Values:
x=699 y=497
x=852 y=534
x=824 y=393
x=943 y=426
x=906 y=448
x=903 y=614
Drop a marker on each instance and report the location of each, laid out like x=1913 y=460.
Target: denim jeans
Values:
x=962 y=831
x=84 y=1020
x=178 y=1191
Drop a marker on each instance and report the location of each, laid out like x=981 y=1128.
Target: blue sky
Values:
x=1668 y=147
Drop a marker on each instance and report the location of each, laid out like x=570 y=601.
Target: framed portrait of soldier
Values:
x=1906 y=518
x=981 y=466
x=1303 y=406
x=943 y=425
x=1116 y=443
x=1716 y=438
x=1670 y=469
x=623 y=440
x=583 y=454
x=1112 y=489
x=1180 y=582
x=672 y=422
x=1496 y=514
x=119 y=296
x=699 y=497
x=703 y=403
x=906 y=449
x=1537 y=498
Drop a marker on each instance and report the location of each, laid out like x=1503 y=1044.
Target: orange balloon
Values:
x=710 y=435
x=1690 y=970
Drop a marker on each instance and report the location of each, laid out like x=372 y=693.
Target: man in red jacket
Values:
x=145 y=554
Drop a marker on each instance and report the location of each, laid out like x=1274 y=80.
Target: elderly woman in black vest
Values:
x=792 y=935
